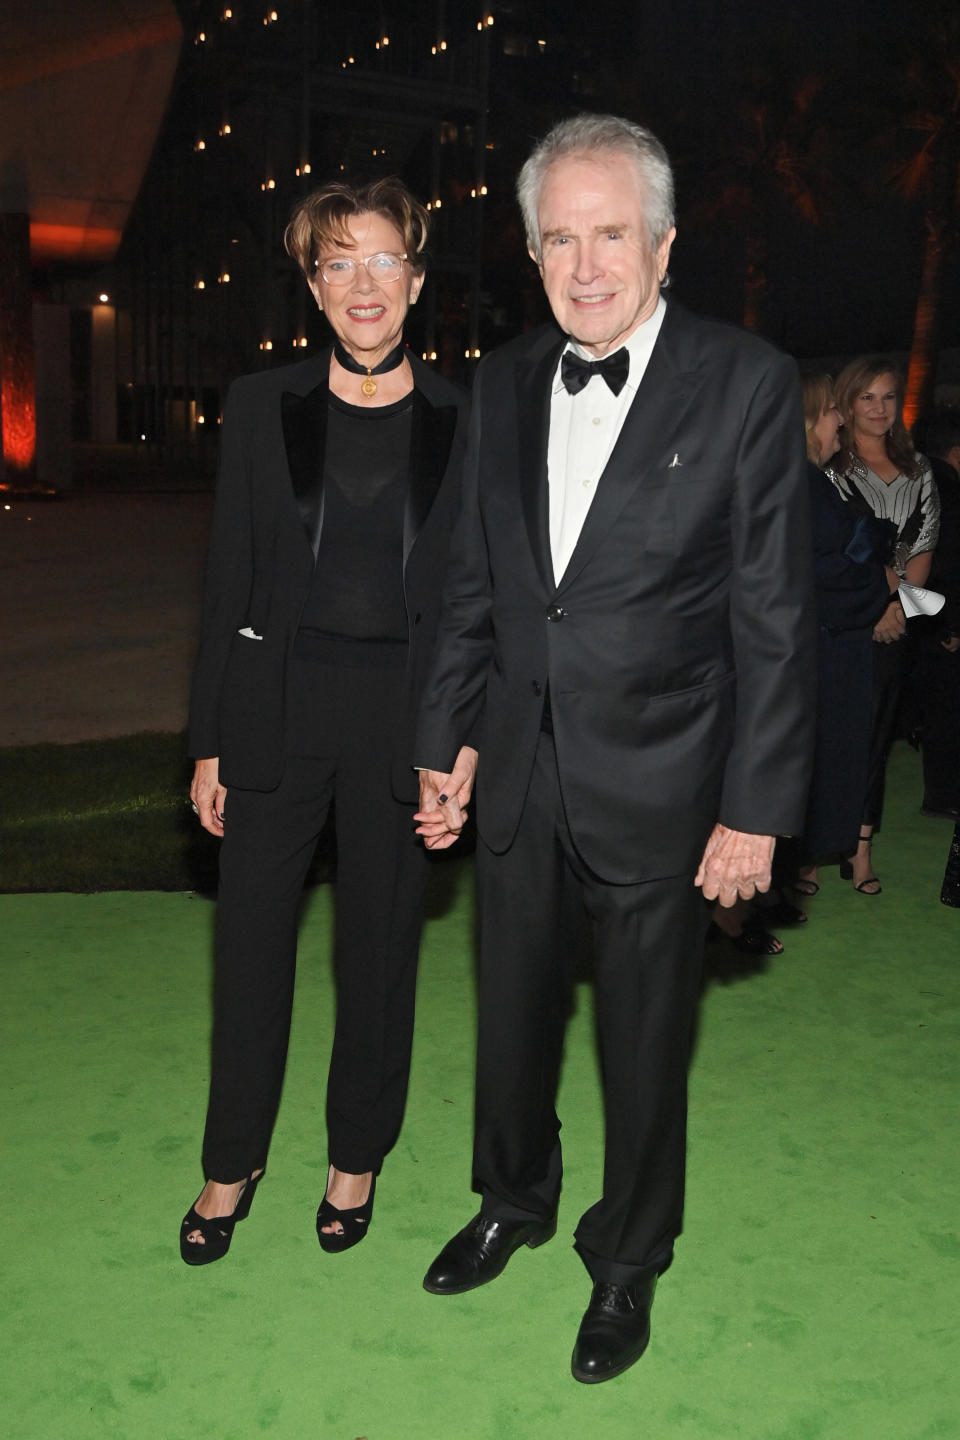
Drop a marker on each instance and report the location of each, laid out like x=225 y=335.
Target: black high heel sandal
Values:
x=846 y=871
x=355 y=1222
x=218 y=1232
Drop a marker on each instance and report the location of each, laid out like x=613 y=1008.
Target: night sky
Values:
x=744 y=95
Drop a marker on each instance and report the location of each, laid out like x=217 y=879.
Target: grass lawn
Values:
x=105 y=815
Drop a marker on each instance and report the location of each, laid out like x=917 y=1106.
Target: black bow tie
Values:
x=575 y=372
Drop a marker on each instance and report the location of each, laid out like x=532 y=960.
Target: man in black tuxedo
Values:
x=626 y=640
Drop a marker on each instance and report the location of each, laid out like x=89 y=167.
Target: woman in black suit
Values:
x=338 y=481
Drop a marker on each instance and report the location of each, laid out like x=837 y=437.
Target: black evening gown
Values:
x=852 y=592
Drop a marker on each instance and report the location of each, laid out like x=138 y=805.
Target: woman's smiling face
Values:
x=367 y=315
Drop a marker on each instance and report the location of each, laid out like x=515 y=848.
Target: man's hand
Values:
x=735 y=864
x=442 y=815
x=952 y=645
x=207 y=795
x=892 y=624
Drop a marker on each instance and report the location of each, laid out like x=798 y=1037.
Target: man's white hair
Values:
x=589 y=137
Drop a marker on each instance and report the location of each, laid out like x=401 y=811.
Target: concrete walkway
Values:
x=99 y=613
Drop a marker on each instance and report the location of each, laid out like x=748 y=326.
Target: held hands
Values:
x=892 y=624
x=735 y=864
x=207 y=795
x=442 y=815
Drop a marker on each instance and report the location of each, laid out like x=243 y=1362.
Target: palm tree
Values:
x=772 y=162
x=931 y=174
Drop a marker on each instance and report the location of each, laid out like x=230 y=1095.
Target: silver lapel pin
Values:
x=676 y=462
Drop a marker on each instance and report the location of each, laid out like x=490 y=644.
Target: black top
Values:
x=849 y=550
x=357 y=588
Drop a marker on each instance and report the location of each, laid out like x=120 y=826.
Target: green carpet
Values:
x=814 y=1295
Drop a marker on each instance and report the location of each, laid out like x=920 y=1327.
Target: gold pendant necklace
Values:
x=369 y=386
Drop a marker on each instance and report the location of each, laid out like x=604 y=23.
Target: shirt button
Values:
x=598 y=420
x=586 y=484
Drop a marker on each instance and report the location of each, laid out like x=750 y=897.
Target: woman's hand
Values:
x=442 y=815
x=892 y=624
x=207 y=795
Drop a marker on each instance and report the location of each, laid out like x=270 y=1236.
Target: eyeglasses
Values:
x=381 y=268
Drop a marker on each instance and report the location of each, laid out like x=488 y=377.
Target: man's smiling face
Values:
x=600 y=273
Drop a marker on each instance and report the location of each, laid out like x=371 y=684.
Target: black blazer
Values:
x=267 y=522
x=679 y=645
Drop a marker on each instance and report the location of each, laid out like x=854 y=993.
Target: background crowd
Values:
x=883 y=514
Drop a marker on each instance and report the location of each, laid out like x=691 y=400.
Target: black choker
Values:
x=369 y=386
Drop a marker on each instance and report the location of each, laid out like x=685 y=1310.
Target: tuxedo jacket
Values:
x=677 y=647
x=267 y=523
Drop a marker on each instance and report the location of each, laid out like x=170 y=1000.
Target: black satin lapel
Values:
x=431 y=437
x=304 y=435
x=533 y=426
x=650 y=425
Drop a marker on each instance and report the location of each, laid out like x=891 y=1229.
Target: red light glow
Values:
x=72 y=242
x=19 y=426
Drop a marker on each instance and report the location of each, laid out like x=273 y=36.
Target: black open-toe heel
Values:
x=218 y=1232
x=355 y=1222
x=846 y=872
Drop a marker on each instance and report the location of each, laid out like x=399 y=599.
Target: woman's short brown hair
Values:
x=817 y=397
x=320 y=220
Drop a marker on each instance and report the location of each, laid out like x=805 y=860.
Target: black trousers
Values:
x=936 y=681
x=648 y=948
x=345 y=718
x=890 y=663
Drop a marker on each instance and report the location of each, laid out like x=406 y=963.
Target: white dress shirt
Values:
x=583 y=431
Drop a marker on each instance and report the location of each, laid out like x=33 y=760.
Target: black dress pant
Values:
x=648 y=948
x=889 y=666
x=936 y=682
x=342 y=725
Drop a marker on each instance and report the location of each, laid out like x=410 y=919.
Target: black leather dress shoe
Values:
x=480 y=1251
x=614 y=1331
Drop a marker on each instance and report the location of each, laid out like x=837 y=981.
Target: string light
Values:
x=268 y=185
x=227 y=14
x=199 y=285
x=471 y=354
x=266 y=344
x=200 y=38
x=104 y=298
x=201 y=420
x=200 y=145
x=224 y=130
x=224 y=279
